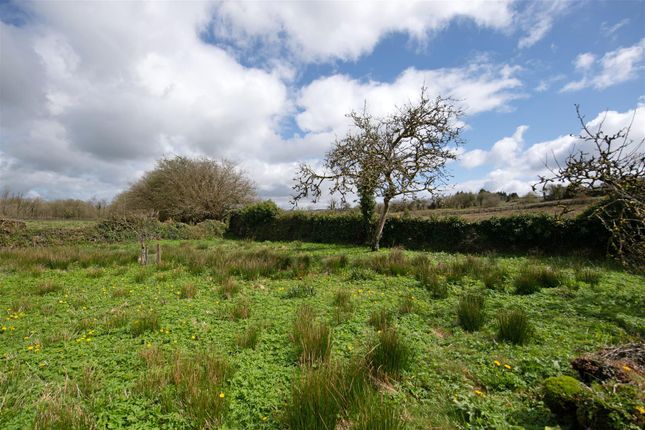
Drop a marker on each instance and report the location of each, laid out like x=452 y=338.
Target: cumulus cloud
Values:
x=89 y=87
x=478 y=88
x=515 y=168
x=321 y=30
x=613 y=68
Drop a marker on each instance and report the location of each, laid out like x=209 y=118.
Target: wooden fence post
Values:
x=158 y=256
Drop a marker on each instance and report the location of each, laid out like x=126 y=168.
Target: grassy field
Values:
x=236 y=334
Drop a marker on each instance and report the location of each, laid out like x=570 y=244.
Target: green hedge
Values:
x=524 y=233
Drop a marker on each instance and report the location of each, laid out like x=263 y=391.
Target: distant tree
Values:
x=614 y=164
x=400 y=154
x=189 y=190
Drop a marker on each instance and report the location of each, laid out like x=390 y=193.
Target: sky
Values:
x=93 y=93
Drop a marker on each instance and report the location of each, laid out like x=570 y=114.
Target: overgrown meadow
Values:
x=237 y=334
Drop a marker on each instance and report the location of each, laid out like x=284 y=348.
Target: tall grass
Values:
x=315 y=402
x=241 y=310
x=514 y=327
x=324 y=398
x=188 y=291
x=199 y=383
x=588 y=275
x=60 y=410
x=47 y=287
x=248 y=339
x=378 y=414
x=228 y=288
x=430 y=278
x=380 y=319
x=470 y=311
x=311 y=338
x=144 y=322
x=532 y=278
x=388 y=354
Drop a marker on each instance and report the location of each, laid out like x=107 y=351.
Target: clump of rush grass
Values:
x=360 y=274
x=588 y=275
x=343 y=300
x=532 y=278
x=407 y=305
x=343 y=306
x=430 y=279
x=188 y=291
x=470 y=311
x=394 y=263
x=299 y=292
x=380 y=319
x=241 y=309
x=61 y=411
x=47 y=287
x=116 y=318
x=194 y=385
x=514 y=327
x=248 y=339
x=228 y=288
x=315 y=402
x=325 y=397
x=336 y=263
x=120 y=292
x=200 y=382
x=388 y=354
x=378 y=414
x=94 y=272
x=492 y=275
x=89 y=381
x=311 y=338
x=144 y=322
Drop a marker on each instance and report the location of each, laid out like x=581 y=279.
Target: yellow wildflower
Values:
x=641 y=410
x=508 y=366
x=479 y=393
x=627 y=368
x=497 y=363
x=221 y=395
x=265 y=418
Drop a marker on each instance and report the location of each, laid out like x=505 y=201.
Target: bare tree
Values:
x=189 y=190
x=396 y=155
x=615 y=164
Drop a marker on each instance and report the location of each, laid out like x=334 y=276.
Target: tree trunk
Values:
x=381 y=223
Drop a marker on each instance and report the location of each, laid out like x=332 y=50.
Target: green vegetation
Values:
x=470 y=311
x=514 y=326
x=216 y=336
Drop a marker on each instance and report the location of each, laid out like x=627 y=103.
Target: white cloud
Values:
x=515 y=169
x=92 y=94
x=321 y=30
x=474 y=158
x=537 y=20
x=614 y=67
x=584 y=61
x=478 y=88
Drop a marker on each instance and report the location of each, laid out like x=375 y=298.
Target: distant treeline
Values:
x=16 y=205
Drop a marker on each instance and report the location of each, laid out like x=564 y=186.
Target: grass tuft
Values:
x=241 y=310
x=188 y=291
x=144 y=322
x=300 y=291
x=248 y=339
x=388 y=355
x=532 y=278
x=228 y=288
x=48 y=287
x=514 y=327
x=470 y=311
x=589 y=275
x=311 y=338
x=380 y=319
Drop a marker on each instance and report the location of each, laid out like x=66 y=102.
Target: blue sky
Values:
x=91 y=94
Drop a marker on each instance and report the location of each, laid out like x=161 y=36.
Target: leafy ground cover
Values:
x=237 y=334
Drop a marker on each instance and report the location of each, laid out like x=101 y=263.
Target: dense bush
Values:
x=541 y=233
x=470 y=311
